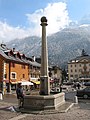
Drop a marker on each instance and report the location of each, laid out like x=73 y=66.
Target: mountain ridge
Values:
x=62 y=46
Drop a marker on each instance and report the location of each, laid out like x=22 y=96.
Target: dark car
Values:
x=55 y=90
x=84 y=93
x=87 y=83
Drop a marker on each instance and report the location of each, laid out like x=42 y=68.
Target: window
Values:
x=31 y=75
x=75 y=70
x=23 y=66
x=28 y=67
x=31 y=67
x=71 y=70
x=71 y=65
x=23 y=75
x=80 y=65
x=35 y=76
x=76 y=76
x=71 y=75
x=13 y=75
x=5 y=76
x=75 y=65
x=35 y=68
x=80 y=70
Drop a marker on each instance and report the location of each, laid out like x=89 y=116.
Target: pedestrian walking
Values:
x=20 y=95
x=78 y=85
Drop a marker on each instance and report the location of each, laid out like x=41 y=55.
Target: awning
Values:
x=26 y=83
x=33 y=79
x=19 y=81
x=13 y=82
x=51 y=81
x=6 y=81
x=36 y=82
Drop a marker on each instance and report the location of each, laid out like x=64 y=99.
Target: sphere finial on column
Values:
x=44 y=21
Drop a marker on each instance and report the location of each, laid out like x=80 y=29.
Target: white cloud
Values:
x=56 y=14
x=8 y=32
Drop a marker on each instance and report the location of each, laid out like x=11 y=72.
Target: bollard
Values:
x=1 y=98
x=75 y=99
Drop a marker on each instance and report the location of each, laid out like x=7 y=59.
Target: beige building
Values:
x=55 y=76
x=56 y=73
x=35 y=73
x=79 y=68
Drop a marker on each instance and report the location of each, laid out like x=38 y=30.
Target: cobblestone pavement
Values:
x=74 y=114
x=77 y=112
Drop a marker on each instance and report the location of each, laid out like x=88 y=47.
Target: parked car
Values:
x=55 y=90
x=68 y=83
x=84 y=93
x=87 y=83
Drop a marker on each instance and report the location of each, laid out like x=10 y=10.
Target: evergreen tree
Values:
x=64 y=75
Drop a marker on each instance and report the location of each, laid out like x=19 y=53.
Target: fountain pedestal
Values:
x=43 y=102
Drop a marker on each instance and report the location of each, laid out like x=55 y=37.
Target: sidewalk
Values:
x=9 y=107
x=77 y=112
x=80 y=111
x=11 y=100
x=6 y=110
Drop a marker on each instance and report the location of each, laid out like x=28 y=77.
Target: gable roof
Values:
x=80 y=58
x=11 y=57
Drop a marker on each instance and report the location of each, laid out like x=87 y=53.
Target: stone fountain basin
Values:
x=43 y=102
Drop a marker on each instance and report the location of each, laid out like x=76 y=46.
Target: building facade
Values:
x=16 y=68
x=56 y=72
x=13 y=68
x=55 y=76
x=79 y=68
x=35 y=73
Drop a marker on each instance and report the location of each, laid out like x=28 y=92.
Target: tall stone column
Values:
x=44 y=81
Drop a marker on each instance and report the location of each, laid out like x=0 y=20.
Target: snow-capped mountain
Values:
x=62 y=46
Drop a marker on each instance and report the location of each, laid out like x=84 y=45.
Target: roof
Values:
x=79 y=58
x=34 y=63
x=11 y=57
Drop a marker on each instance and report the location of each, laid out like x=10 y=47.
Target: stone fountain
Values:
x=44 y=100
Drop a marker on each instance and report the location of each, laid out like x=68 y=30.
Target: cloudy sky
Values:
x=21 y=18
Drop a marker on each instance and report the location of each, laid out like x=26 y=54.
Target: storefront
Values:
x=36 y=84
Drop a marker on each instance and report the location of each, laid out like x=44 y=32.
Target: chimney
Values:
x=13 y=49
x=34 y=58
x=3 y=45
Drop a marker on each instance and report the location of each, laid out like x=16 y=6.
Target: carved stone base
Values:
x=42 y=102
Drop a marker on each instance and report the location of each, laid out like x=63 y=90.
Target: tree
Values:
x=83 y=53
x=64 y=75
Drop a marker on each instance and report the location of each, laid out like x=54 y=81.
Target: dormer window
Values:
x=8 y=52
x=22 y=56
x=11 y=53
x=18 y=55
x=12 y=64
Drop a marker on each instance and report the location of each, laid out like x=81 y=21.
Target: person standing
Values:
x=20 y=95
x=78 y=85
